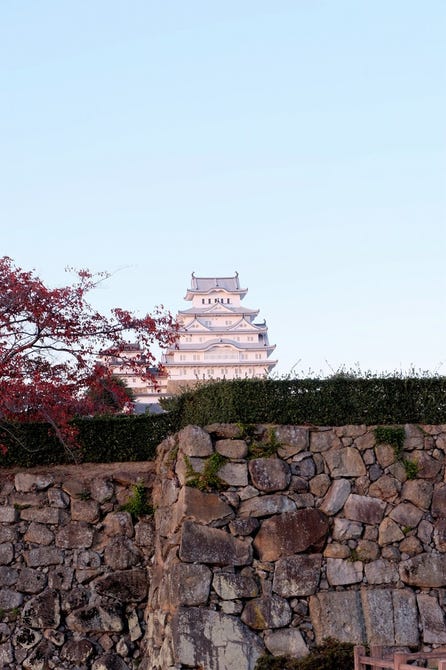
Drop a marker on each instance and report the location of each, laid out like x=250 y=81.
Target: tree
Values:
x=110 y=394
x=50 y=339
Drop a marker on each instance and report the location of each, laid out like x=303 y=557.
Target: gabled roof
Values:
x=210 y=284
x=219 y=342
x=218 y=307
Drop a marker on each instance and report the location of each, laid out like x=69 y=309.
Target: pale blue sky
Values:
x=299 y=142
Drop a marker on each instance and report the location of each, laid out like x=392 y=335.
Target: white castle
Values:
x=218 y=338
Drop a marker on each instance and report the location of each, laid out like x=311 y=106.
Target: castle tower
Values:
x=218 y=336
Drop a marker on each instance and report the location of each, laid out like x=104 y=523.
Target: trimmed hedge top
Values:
x=336 y=401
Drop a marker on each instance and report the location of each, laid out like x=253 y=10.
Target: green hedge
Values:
x=335 y=401
x=331 y=402
x=101 y=440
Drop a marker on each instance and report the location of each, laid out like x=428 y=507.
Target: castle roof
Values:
x=218 y=307
x=210 y=284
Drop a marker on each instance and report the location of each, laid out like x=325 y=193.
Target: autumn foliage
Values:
x=50 y=339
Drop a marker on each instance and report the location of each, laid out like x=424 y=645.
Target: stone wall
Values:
x=73 y=568
x=326 y=537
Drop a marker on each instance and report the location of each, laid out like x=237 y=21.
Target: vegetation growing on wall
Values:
x=138 y=505
x=208 y=479
x=394 y=436
x=331 y=655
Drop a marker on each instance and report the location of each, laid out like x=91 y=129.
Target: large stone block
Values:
x=199 y=506
x=424 y=571
x=428 y=467
x=6 y=553
x=188 y=584
x=49 y=515
x=266 y=612
x=77 y=651
x=266 y=505
x=439 y=501
x=234 y=474
x=385 y=488
x=31 y=581
x=85 y=510
x=346 y=462
x=389 y=532
x=75 y=535
x=244 y=526
x=364 y=509
x=293 y=439
x=194 y=441
x=211 y=545
x=26 y=638
x=27 y=482
x=381 y=572
x=42 y=611
x=121 y=554
x=405 y=618
x=8 y=514
x=342 y=572
x=336 y=497
x=10 y=598
x=232 y=448
x=344 y=529
x=297 y=575
x=6 y=654
x=123 y=585
x=337 y=615
x=286 y=642
x=38 y=533
x=418 y=492
x=43 y=556
x=96 y=619
x=377 y=606
x=323 y=440
x=8 y=576
x=406 y=514
x=432 y=619
x=269 y=474
x=118 y=523
x=291 y=533
x=230 y=586
x=212 y=640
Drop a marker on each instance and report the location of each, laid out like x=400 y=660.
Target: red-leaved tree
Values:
x=50 y=339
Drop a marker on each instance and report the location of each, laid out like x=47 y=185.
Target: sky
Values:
x=301 y=143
